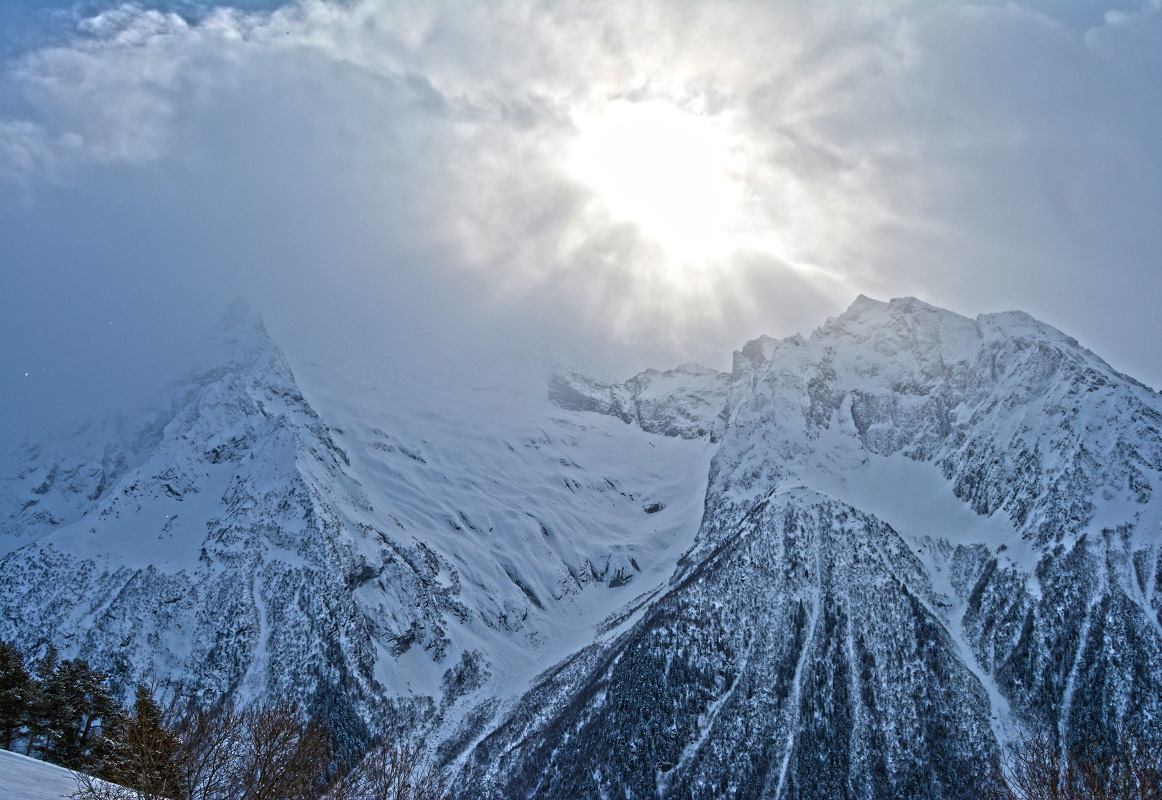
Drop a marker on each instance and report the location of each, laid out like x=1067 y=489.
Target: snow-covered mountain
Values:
x=922 y=533
x=857 y=565
x=423 y=545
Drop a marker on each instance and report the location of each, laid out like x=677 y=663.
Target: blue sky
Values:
x=494 y=187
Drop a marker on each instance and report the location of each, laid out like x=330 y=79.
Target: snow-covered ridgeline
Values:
x=1011 y=476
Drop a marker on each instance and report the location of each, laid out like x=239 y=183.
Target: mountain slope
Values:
x=922 y=533
x=383 y=565
x=857 y=565
x=220 y=558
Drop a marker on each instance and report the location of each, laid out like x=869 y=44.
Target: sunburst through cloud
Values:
x=679 y=175
x=614 y=398
x=631 y=183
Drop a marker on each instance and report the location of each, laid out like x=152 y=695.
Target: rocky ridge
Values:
x=923 y=534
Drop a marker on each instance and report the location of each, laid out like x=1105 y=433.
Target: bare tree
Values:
x=1134 y=772
x=91 y=788
x=282 y=755
x=392 y=772
x=222 y=752
x=210 y=737
x=1038 y=768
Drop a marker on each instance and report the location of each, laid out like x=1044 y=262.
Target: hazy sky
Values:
x=497 y=186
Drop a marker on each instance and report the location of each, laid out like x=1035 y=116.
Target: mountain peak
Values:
x=864 y=303
x=240 y=326
x=909 y=306
x=240 y=339
x=240 y=317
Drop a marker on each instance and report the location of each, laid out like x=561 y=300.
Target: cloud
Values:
x=391 y=179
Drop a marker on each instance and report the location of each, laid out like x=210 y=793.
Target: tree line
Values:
x=64 y=712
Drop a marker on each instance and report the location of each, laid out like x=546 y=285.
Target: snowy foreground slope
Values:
x=857 y=565
x=24 y=778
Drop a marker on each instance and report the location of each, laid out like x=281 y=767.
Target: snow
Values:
x=262 y=528
x=927 y=509
x=24 y=778
x=457 y=521
x=165 y=532
x=499 y=479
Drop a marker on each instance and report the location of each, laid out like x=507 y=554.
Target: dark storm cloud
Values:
x=389 y=182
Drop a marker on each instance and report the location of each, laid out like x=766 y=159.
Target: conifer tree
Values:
x=15 y=693
x=146 y=753
x=41 y=703
x=81 y=712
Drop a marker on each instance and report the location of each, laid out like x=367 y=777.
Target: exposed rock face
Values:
x=921 y=533
x=855 y=566
x=686 y=402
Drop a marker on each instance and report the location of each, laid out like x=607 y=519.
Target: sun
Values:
x=676 y=174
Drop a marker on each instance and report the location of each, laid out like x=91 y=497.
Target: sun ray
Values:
x=673 y=173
